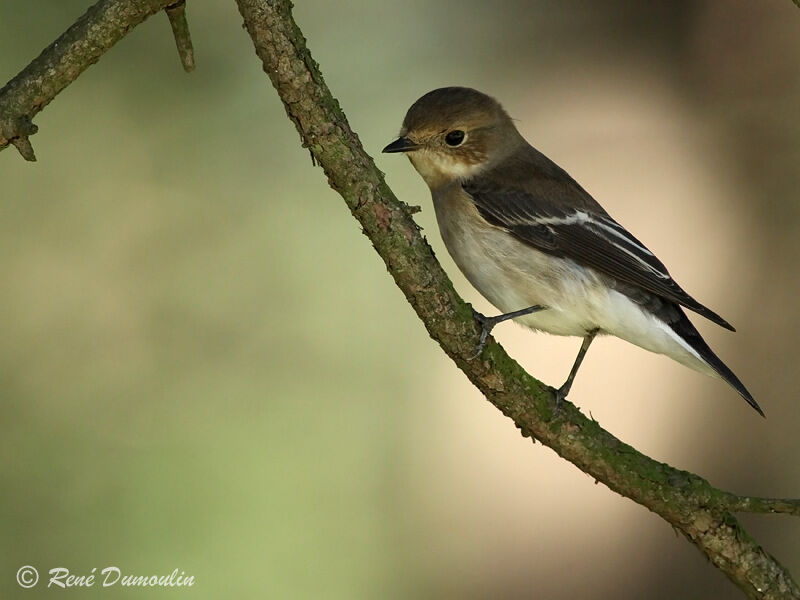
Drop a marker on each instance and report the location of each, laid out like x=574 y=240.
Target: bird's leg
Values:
x=488 y=323
x=562 y=392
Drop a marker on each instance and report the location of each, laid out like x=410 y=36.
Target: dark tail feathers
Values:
x=684 y=328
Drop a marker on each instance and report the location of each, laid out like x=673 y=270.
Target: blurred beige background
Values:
x=205 y=366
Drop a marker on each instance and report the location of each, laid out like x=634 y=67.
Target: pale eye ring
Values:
x=455 y=138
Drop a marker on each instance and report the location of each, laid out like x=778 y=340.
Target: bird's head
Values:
x=453 y=133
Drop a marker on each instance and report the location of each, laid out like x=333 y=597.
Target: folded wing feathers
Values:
x=594 y=240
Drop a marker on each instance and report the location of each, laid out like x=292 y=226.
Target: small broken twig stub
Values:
x=180 y=30
x=17 y=131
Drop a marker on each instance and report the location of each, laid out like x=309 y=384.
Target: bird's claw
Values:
x=487 y=323
x=561 y=395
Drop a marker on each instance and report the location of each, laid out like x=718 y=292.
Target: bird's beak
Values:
x=401 y=144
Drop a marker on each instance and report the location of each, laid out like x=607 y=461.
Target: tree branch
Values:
x=688 y=502
x=80 y=46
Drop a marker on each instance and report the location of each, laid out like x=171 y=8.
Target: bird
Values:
x=538 y=246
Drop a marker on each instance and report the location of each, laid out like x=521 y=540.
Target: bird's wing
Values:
x=589 y=237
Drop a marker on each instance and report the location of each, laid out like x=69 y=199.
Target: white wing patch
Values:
x=603 y=225
x=618 y=230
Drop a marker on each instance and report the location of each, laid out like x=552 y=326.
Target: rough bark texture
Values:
x=686 y=501
x=102 y=26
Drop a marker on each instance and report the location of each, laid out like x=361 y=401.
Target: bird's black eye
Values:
x=454 y=138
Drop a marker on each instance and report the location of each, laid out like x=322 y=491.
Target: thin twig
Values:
x=748 y=504
x=180 y=30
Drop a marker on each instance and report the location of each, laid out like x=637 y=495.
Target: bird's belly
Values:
x=513 y=275
x=577 y=301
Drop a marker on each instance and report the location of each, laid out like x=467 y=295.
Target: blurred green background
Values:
x=205 y=366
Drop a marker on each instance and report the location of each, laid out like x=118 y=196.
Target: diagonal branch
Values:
x=80 y=46
x=688 y=502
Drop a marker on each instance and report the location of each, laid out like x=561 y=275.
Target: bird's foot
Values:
x=487 y=324
x=561 y=395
